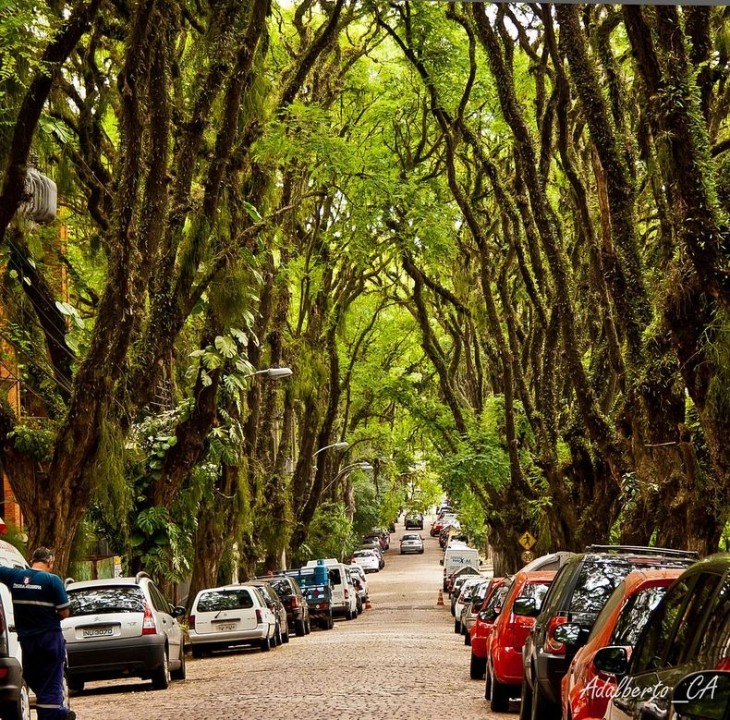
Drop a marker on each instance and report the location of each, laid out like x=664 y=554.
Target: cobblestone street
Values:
x=400 y=659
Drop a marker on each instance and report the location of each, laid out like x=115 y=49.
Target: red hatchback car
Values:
x=481 y=629
x=586 y=690
x=522 y=603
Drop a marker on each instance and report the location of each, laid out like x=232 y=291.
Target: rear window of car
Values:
x=410 y=537
x=596 y=583
x=537 y=591
x=335 y=576
x=634 y=615
x=282 y=586
x=119 y=599
x=215 y=600
x=364 y=554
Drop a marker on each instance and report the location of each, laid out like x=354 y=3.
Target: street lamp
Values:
x=335 y=446
x=364 y=466
x=274 y=372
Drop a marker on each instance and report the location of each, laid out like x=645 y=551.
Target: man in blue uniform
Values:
x=40 y=602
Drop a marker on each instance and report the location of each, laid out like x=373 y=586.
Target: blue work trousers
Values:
x=44 y=656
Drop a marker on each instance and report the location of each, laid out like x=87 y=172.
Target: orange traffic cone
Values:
x=440 y=601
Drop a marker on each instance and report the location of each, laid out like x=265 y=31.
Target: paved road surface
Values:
x=400 y=660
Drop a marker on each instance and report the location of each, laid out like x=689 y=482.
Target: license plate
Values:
x=226 y=627
x=97 y=631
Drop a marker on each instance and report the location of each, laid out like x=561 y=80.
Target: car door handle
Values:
x=651 y=711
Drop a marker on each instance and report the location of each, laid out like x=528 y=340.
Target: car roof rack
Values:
x=68 y=581
x=644 y=550
x=141 y=574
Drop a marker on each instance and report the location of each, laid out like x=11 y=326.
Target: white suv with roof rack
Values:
x=122 y=627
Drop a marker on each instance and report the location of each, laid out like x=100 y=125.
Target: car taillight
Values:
x=191 y=622
x=295 y=603
x=259 y=616
x=551 y=644
x=148 y=624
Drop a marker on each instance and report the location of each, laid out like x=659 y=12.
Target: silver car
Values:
x=411 y=543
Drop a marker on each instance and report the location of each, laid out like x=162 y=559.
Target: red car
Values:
x=522 y=603
x=586 y=690
x=482 y=628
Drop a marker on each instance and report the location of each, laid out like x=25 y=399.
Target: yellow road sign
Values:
x=527 y=540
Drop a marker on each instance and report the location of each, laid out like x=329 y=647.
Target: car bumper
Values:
x=411 y=549
x=229 y=639
x=11 y=679
x=136 y=657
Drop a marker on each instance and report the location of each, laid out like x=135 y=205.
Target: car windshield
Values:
x=119 y=599
x=234 y=599
x=281 y=585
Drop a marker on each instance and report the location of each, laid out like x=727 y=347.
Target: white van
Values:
x=344 y=595
x=457 y=557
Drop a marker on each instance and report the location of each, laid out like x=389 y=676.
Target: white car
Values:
x=359 y=573
x=411 y=542
x=368 y=560
x=230 y=615
x=122 y=627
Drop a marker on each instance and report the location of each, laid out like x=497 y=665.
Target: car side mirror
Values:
x=613 y=659
x=702 y=695
x=177 y=611
x=525 y=606
x=568 y=634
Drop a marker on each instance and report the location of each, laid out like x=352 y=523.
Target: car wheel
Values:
x=330 y=622
x=525 y=701
x=265 y=644
x=285 y=636
x=500 y=696
x=161 y=676
x=181 y=672
x=308 y=627
x=457 y=626
x=487 y=682
x=18 y=710
x=278 y=640
x=197 y=653
x=477 y=667
x=467 y=638
x=300 y=627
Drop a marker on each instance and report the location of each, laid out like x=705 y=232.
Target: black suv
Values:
x=688 y=631
x=291 y=596
x=577 y=595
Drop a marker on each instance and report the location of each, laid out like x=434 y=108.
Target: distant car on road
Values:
x=411 y=543
x=414 y=521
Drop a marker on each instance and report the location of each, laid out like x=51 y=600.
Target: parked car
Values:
x=467 y=591
x=371 y=542
x=414 y=521
x=579 y=592
x=293 y=599
x=457 y=580
x=122 y=627
x=411 y=543
x=14 y=693
x=688 y=631
x=273 y=602
x=357 y=572
x=317 y=588
x=482 y=628
x=441 y=522
x=229 y=616
x=585 y=691
x=470 y=610
x=368 y=560
x=523 y=599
